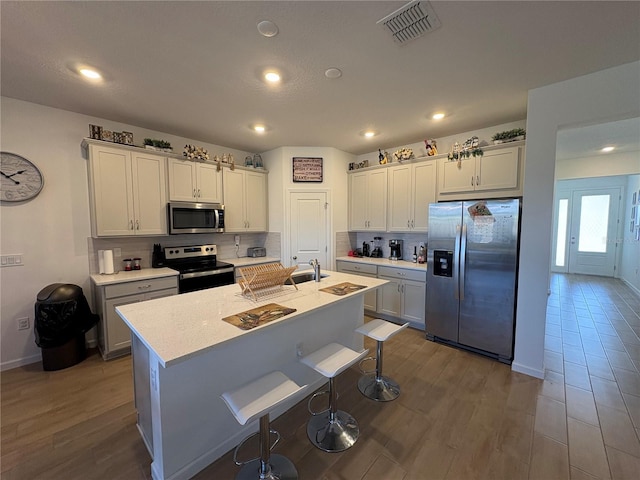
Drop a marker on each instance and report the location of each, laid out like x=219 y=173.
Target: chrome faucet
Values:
x=316 y=268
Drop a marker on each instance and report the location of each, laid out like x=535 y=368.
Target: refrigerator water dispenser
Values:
x=443 y=263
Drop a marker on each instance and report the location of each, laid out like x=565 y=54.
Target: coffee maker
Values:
x=396 y=249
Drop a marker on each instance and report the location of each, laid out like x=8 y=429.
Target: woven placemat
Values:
x=343 y=288
x=258 y=316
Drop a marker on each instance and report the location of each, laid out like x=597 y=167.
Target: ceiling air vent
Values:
x=411 y=21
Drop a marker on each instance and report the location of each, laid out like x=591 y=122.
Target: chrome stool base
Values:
x=381 y=389
x=281 y=469
x=333 y=435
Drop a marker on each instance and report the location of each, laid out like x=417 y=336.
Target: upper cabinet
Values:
x=497 y=173
x=368 y=200
x=191 y=181
x=412 y=187
x=245 y=200
x=127 y=192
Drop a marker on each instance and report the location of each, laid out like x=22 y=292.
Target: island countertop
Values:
x=178 y=327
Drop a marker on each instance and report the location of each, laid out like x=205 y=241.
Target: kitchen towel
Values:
x=108 y=262
x=100 y=261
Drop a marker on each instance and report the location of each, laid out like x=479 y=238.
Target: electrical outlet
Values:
x=237 y=240
x=299 y=353
x=23 y=323
x=117 y=252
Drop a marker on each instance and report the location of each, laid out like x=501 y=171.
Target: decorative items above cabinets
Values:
x=509 y=136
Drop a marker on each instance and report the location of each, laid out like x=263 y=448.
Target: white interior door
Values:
x=592 y=232
x=308 y=228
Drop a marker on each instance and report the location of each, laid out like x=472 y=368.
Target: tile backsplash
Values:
x=410 y=240
x=132 y=247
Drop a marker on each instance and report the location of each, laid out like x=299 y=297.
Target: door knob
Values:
x=295 y=258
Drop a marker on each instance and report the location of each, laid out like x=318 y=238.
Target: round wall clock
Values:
x=20 y=179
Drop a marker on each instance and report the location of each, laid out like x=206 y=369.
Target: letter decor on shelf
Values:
x=306 y=169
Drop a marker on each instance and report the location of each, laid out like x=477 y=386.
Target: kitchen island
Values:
x=185 y=356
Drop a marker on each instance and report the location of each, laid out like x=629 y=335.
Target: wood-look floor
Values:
x=460 y=416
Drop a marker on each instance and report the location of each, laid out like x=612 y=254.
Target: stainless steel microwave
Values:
x=187 y=217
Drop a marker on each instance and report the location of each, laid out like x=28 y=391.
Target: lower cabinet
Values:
x=114 y=336
x=404 y=296
x=370 y=298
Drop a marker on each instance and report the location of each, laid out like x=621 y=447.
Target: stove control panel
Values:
x=191 y=251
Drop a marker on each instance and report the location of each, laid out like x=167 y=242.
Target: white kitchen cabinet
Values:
x=412 y=187
x=404 y=296
x=368 y=200
x=370 y=298
x=498 y=173
x=127 y=192
x=245 y=200
x=191 y=181
x=114 y=336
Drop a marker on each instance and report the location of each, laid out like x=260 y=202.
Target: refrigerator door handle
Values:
x=463 y=259
x=456 y=256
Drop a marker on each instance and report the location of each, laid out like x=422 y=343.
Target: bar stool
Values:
x=332 y=430
x=375 y=386
x=257 y=399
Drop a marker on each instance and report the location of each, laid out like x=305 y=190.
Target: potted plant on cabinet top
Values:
x=158 y=145
x=509 y=136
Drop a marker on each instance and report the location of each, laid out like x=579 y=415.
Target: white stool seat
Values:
x=380 y=330
x=333 y=359
x=254 y=399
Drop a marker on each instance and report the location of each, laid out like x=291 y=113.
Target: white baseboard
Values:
x=20 y=362
x=632 y=287
x=532 y=372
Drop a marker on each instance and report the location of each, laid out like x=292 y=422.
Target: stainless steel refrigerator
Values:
x=472 y=265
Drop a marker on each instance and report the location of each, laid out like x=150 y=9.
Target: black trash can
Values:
x=62 y=317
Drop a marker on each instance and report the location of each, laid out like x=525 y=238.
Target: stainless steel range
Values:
x=198 y=266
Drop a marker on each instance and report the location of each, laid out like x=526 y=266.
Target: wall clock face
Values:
x=20 y=179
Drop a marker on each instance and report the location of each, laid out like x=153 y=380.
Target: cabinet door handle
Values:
x=130 y=224
x=472 y=180
x=199 y=193
x=194 y=193
x=144 y=287
x=398 y=288
x=407 y=223
x=411 y=223
x=477 y=180
x=137 y=224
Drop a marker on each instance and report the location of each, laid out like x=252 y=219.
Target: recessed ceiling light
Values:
x=369 y=133
x=607 y=149
x=438 y=116
x=333 y=72
x=268 y=28
x=90 y=73
x=272 y=77
x=259 y=128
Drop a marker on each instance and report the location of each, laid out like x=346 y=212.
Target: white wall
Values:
x=51 y=230
x=598 y=166
x=630 y=263
x=335 y=164
x=602 y=96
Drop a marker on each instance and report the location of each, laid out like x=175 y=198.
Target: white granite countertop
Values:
x=100 y=279
x=385 y=262
x=181 y=326
x=246 y=261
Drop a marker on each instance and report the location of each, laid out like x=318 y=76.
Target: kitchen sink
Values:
x=303 y=277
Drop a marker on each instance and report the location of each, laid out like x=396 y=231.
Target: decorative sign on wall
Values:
x=307 y=169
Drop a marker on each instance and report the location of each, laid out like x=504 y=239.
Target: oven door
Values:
x=193 y=281
x=187 y=217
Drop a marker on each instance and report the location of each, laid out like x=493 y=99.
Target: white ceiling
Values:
x=193 y=68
